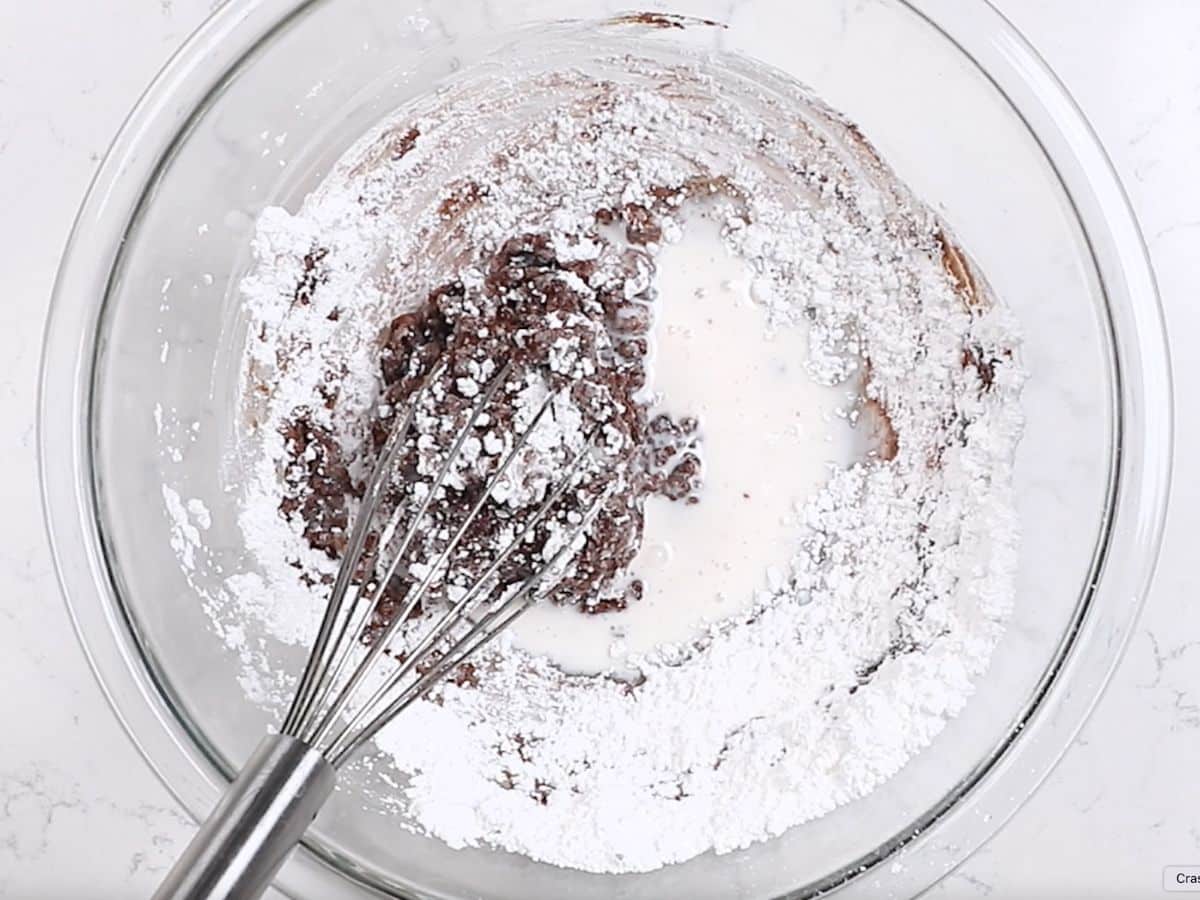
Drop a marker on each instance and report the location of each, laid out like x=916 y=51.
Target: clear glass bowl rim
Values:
x=1072 y=686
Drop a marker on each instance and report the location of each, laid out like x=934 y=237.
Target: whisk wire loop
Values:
x=462 y=608
x=328 y=712
x=491 y=624
x=311 y=682
x=303 y=724
x=415 y=596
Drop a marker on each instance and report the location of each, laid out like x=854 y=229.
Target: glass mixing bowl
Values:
x=145 y=326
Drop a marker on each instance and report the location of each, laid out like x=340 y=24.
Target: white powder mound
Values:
x=903 y=572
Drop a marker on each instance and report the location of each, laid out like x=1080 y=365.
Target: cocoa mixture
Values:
x=552 y=322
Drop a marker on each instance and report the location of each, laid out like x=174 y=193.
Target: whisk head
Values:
x=359 y=675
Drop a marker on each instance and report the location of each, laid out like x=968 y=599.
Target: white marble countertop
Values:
x=82 y=815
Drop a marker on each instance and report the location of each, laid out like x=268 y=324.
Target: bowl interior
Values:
x=164 y=423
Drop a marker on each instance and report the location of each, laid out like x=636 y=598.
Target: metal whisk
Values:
x=350 y=688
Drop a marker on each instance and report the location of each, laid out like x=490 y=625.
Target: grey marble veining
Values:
x=81 y=814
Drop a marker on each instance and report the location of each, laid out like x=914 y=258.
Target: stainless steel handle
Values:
x=262 y=816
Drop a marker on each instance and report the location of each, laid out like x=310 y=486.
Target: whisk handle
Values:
x=262 y=816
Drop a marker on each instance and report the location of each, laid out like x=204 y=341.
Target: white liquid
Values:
x=769 y=436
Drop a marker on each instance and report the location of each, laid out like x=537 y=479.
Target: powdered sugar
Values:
x=820 y=683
